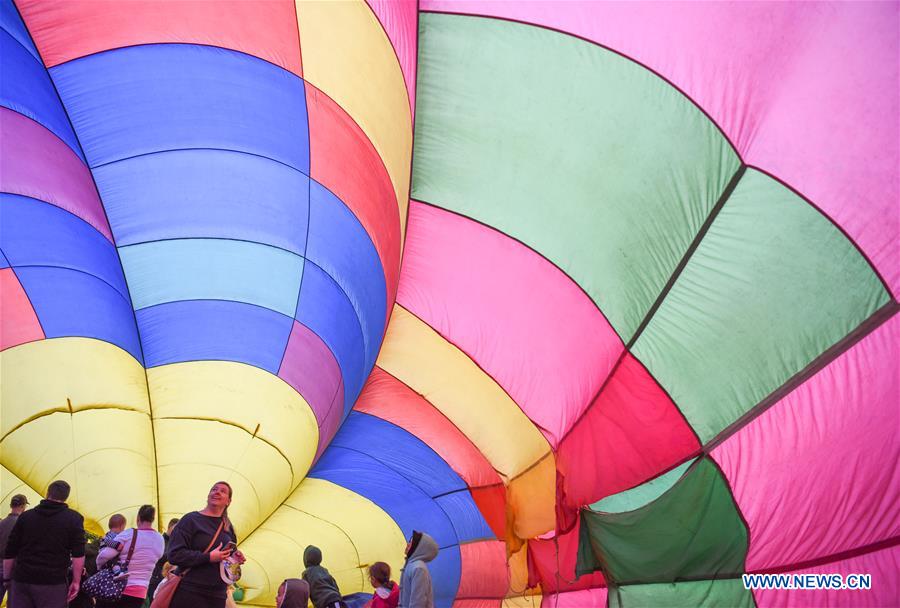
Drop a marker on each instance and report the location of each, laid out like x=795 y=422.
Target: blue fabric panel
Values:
x=325 y=309
x=149 y=98
x=446 y=571
x=201 y=330
x=339 y=244
x=72 y=303
x=205 y=193
x=465 y=516
x=25 y=87
x=12 y=23
x=35 y=233
x=212 y=269
x=403 y=452
x=407 y=505
x=4 y=263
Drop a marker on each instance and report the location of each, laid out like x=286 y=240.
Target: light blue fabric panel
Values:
x=212 y=269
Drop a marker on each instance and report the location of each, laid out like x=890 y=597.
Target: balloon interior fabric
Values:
x=601 y=296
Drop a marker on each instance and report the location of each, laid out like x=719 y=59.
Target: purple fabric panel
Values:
x=310 y=367
x=38 y=164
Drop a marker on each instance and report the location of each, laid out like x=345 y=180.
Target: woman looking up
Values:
x=200 y=541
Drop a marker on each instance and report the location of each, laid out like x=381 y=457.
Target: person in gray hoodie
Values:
x=323 y=590
x=415 y=582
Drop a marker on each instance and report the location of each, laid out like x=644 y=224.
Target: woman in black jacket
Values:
x=202 y=585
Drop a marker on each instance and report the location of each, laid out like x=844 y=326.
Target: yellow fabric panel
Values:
x=106 y=455
x=351 y=531
x=10 y=485
x=44 y=376
x=347 y=55
x=518 y=572
x=192 y=455
x=522 y=601
x=242 y=395
x=418 y=356
x=535 y=486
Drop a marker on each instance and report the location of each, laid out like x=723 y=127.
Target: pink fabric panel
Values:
x=586 y=598
x=18 y=322
x=481 y=563
x=817 y=473
x=63 y=31
x=630 y=433
x=821 y=117
x=38 y=164
x=400 y=21
x=516 y=315
x=310 y=367
x=884 y=566
x=556 y=573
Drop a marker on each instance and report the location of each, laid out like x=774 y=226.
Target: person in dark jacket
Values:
x=41 y=546
x=16 y=507
x=292 y=593
x=415 y=582
x=203 y=586
x=323 y=590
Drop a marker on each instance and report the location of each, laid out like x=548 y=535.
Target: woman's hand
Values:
x=239 y=557
x=218 y=554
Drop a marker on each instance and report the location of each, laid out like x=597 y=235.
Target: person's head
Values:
x=219 y=497
x=292 y=593
x=413 y=542
x=172 y=523
x=146 y=514
x=312 y=556
x=379 y=574
x=58 y=491
x=117 y=523
x=17 y=504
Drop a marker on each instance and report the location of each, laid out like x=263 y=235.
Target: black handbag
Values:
x=109 y=582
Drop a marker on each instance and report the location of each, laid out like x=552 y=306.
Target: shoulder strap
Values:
x=131 y=548
x=209 y=546
x=215 y=536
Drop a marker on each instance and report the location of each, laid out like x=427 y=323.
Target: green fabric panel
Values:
x=585 y=156
x=643 y=494
x=693 y=594
x=691 y=531
x=772 y=285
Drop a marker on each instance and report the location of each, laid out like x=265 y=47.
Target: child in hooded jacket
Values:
x=323 y=589
x=415 y=583
x=292 y=593
x=387 y=592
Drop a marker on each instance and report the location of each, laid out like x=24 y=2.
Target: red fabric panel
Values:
x=491 y=501
x=64 y=31
x=18 y=321
x=631 y=432
x=344 y=160
x=554 y=573
x=482 y=562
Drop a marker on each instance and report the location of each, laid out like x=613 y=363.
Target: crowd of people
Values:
x=194 y=564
